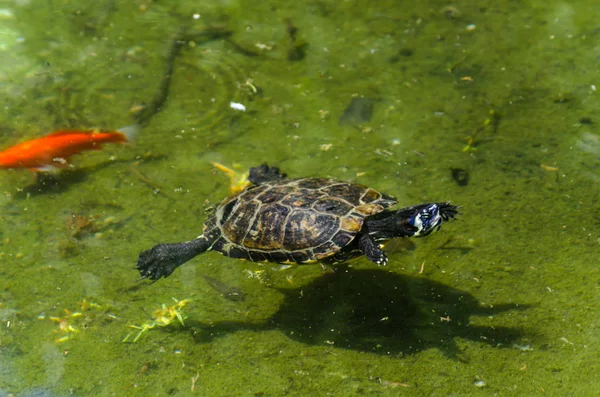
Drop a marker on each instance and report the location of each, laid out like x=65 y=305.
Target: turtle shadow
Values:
x=377 y=311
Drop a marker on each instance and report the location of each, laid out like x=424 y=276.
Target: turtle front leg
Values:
x=371 y=249
x=163 y=259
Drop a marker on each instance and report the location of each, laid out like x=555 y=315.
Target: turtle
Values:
x=305 y=220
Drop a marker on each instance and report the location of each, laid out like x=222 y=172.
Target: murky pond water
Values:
x=491 y=106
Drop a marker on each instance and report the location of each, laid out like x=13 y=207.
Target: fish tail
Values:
x=130 y=132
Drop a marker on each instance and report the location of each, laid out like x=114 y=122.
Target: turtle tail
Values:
x=162 y=259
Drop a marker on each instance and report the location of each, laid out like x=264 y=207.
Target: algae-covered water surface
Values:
x=489 y=105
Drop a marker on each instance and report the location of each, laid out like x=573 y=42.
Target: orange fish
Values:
x=52 y=152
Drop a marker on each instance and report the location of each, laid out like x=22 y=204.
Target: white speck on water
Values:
x=523 y=348
x=237 y=106
x=566 y=340
x=5 y=13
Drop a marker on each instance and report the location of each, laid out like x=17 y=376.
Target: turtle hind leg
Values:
x=264 y=173
x=371 y=249
x=162 y=259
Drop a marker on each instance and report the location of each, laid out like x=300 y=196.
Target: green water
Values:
x=503 y=301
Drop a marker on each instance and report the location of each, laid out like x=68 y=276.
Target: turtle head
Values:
x=416 y=221
x=428 y=218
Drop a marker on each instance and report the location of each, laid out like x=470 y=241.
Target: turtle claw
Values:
x=371 y=250
x=382 y=260
x=152 y=265
x=162 y=259
x=448 y=211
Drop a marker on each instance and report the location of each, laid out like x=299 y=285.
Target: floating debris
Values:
x=163 y=316
x=460 y=176
x=239 y=181
x=249 y=86
x=491 y=121
x=451 y=12
x=228 y=292
x=523 y=348
x=359 y=111
x=69 y=324
x=297 y=49
x=261 y=275
x=549 y=168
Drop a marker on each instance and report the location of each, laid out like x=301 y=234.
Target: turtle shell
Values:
x=298 y=220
